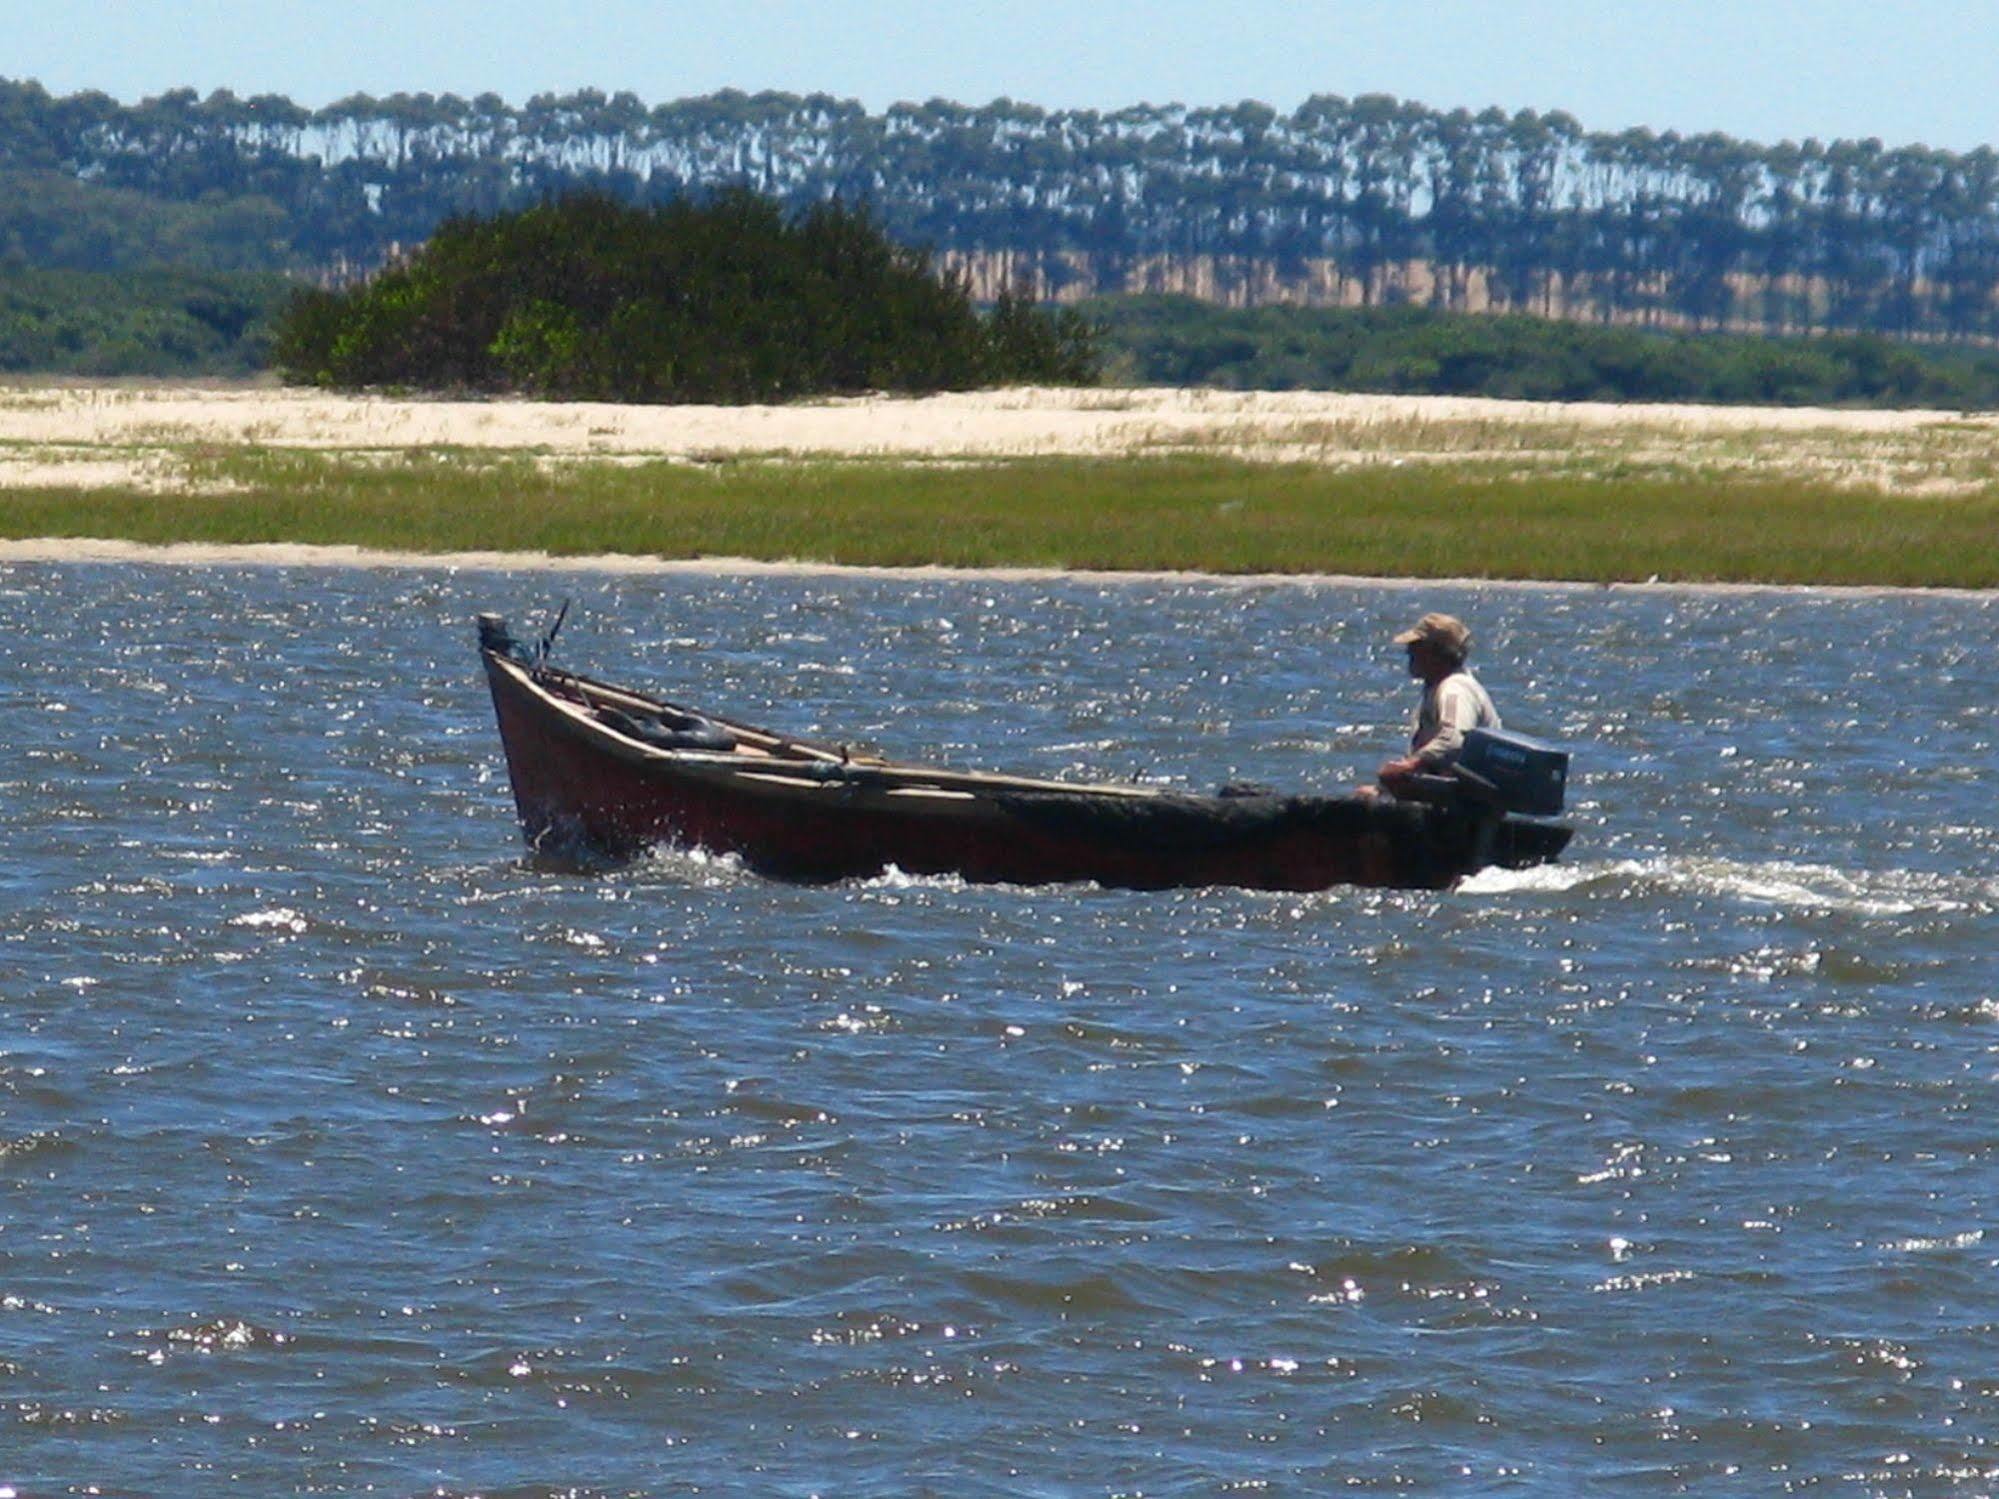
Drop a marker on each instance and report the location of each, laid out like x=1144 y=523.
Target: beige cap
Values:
x=1444 y=630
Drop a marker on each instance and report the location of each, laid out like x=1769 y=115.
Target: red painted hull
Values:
x=581 y=787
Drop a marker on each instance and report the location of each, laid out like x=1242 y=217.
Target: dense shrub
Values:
x=726 y=299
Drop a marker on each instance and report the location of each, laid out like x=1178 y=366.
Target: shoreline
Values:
x=55 y=550
x=1121 y=484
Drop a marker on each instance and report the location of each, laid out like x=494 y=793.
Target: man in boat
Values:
x=1453 y=702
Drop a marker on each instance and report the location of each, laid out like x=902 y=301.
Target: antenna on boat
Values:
x=548 y=640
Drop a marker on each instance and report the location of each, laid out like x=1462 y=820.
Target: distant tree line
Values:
x=723 y=299
x=1453 y=209
x=1419 y=351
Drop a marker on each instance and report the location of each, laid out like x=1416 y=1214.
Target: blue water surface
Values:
x=344 y=1150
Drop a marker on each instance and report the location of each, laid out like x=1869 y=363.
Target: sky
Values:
x=1918 y=71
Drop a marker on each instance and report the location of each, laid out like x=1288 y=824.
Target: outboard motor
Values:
x=1513 y=772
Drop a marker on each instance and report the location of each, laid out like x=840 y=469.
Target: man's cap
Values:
x=1445 y=630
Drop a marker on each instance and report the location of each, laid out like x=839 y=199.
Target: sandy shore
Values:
x=96 y=436
x=289 y=554
x=1092 y=422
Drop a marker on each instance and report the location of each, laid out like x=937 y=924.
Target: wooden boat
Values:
x=603 y=771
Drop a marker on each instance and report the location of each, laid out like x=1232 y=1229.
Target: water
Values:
x=342 y=1151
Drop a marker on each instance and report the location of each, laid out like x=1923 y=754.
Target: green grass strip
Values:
x=1203 y=513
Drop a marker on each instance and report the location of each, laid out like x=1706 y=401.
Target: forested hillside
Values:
x=1369 y=200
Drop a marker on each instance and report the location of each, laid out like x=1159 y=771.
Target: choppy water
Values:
x=341 y=1150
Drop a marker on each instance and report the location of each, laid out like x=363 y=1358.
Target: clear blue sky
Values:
x=1920 y=70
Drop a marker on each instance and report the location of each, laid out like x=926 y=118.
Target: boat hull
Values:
x=582 y=790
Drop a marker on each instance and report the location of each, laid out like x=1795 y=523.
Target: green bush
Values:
x=725 y=300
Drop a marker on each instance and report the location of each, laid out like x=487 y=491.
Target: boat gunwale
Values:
x=730 y=764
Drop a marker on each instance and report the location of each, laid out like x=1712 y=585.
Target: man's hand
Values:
x=1397 y=770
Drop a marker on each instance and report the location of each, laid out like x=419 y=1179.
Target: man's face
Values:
x=1417 y=652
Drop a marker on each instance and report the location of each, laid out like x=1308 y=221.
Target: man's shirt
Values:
x=1449 y=710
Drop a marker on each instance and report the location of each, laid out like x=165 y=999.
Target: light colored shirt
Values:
x=1449 y=710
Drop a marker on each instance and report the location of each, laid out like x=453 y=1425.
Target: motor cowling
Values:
x=1515 y=772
